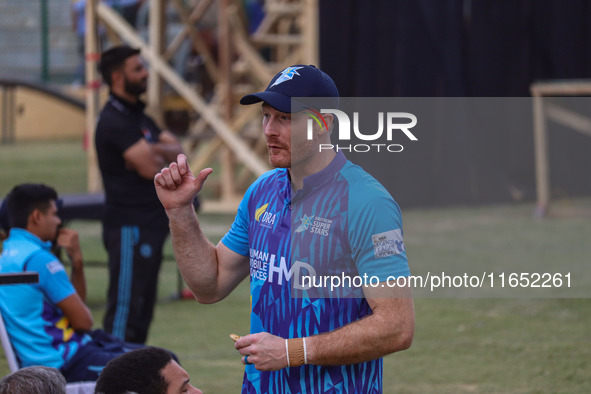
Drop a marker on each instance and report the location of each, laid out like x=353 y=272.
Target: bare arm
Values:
x=68 y=239
x=168 y=147
x=77 y=313
x=388 y=329
x=148 y=159
x=74 y=306
x=211 y=272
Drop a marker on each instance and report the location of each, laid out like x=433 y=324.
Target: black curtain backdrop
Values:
x=465 y=48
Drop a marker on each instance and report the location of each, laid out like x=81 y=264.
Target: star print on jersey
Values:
x=306 y=222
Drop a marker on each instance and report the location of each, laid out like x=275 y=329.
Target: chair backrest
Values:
x=7 y=346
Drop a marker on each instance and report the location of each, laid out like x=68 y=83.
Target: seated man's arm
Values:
x=77 y=312
x=59 y=289
x=74 y=307
x=68 y=239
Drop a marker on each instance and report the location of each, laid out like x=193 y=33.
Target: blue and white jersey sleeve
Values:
x=375 y=233
x=53 y=278
x=237 y=238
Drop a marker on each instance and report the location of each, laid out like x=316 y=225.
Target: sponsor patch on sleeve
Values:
x=54 y=267
x=388 y=243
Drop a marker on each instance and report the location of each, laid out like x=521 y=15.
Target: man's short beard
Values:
x=134 y=89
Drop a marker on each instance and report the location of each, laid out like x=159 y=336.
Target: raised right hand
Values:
x=69 y=240
x=176 y=185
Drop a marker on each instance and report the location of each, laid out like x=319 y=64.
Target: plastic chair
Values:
x=7 y=346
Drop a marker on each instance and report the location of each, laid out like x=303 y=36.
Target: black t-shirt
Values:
x=130 y=199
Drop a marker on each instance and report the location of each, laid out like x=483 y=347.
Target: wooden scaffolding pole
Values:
x=228 y=190
x=543 y=110
x=240 y=149
x=541 y=156
x=244 y=63
x=311 y=20
x=157 y=29
x=93 y=83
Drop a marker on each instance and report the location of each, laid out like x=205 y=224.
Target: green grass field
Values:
x=461 y=345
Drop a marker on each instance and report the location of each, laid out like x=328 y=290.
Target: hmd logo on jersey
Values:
x=281 y=271
x=394 y=123
x=266 y=219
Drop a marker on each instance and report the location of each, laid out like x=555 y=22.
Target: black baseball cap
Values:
x=296 y=81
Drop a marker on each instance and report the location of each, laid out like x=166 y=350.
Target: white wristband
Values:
x=305 y=352
x=287 y=353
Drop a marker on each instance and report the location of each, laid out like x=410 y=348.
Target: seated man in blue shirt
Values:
x=49 y=323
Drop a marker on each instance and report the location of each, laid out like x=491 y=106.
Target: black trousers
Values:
x=135 y=256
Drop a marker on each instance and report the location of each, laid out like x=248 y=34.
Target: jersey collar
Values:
x=21 y=234
x=125 y=106
x=327 y=174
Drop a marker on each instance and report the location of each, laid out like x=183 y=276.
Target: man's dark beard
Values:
x=134 y=89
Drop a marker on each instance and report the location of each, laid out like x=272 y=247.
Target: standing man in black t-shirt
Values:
x=131 y=150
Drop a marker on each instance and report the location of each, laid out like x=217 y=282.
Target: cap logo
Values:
x=286 y=75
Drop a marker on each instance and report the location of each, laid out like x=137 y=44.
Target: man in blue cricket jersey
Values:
x=316 y=212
